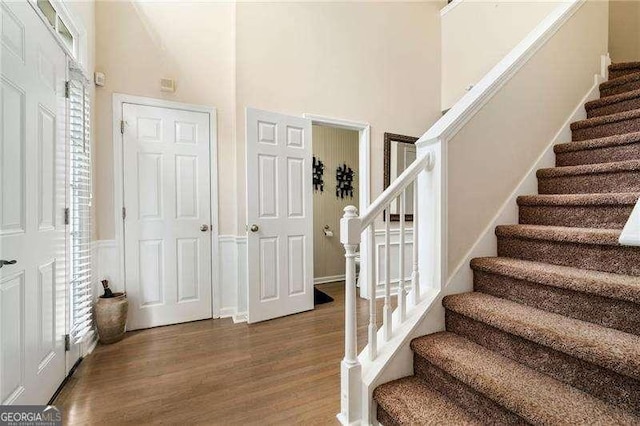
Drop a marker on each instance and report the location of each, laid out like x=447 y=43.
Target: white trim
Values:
x=118 y=199
x=79 y=52
x=328 y=279
x=448 y=8
x=239 y=317
x=364 y=175
x=471 y=103
x=630 y=235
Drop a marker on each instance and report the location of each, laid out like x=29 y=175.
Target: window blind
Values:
x=80 y=208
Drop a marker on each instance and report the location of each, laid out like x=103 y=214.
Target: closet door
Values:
x=32 y=203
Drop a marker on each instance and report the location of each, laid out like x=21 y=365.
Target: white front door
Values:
x=168 y=215
x=32 y=203
x=280 y=215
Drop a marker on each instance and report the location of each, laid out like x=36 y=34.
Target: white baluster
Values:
x=402 y=298
x=350 y=368
x=415 y=276
x=373 y=287
x=386 y=310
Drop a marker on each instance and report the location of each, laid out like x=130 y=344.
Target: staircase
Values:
x=551 y=333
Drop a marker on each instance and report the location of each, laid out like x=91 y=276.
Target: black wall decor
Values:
x=318 y=171
x=344 y=181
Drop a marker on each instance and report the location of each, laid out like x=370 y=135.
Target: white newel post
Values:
x=350 y=369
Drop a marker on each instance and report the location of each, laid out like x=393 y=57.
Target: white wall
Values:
x=477 y=34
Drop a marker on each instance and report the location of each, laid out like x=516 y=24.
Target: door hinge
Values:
x=66 y=89
x=124 y=213
x=122 y=127
x=66 y=215
x=67 y=343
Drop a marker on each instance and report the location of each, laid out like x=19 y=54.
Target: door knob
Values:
x=204 y=228
x=254 y=228
x=7 y=262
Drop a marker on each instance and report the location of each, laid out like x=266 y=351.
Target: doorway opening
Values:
x=336 y=185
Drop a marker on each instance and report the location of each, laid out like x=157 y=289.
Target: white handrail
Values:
x=392 y=192
x=463 y=110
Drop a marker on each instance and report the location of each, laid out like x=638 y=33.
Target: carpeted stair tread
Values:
x=623 y=68
x=533 y=396
x=607 y=199
x=615 y=286
x=625 y=101
x=620 y=84
x=589 y=169
x=606 y=347
x=561 y=234
x=410 y=401
x=606 y=119
x=598 y=143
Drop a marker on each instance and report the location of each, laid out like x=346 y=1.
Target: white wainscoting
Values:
x=394 y=245
x=232 y=274
x=233 y=277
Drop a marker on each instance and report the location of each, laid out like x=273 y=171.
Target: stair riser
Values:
x=615 y=259
x=604 y=130
x=384 y=418
x=597 y=183
x=463 y=395
x=621 y=88
x=621 y=106
x=619 y=73
x=611 y=217
x=596 y=156
x=600 y=382
x=619 y=314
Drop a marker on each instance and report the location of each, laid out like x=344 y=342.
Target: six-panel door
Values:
x=280 y=215
x=168 y=215
x=32 y=202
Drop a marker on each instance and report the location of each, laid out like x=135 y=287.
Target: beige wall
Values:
x=334 y=147
x=497 y=147
x=498 y=26
x=137 y=46
x=624 y=30
x=373 y=62
x=366 y=61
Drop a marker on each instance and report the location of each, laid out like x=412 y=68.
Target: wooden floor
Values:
x=283 y=371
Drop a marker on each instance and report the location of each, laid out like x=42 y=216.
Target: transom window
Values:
x=60 y=25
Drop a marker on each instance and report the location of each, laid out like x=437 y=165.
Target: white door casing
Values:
x=167 y=229
x=32 y=202
x=279 y=214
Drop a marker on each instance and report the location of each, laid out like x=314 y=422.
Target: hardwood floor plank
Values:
x=283 y=371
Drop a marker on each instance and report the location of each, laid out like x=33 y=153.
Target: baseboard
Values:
x=240 y=317
x=328 y=279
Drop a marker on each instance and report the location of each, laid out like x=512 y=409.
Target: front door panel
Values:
x=33 y=198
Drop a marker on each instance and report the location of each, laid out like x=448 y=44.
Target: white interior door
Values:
x=168 y=215
x=280 y=215
x=32 y=197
